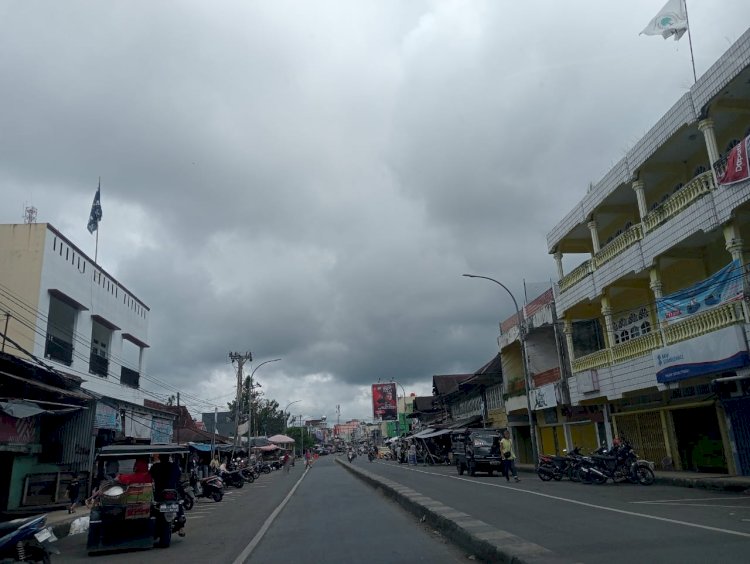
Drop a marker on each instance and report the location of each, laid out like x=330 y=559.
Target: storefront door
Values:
x=699 y=441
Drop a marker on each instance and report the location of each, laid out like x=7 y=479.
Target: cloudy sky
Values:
x=309 y=180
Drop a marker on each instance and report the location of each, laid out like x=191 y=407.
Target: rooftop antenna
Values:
x=29 y=214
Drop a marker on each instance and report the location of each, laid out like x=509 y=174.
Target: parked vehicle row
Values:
x=619 y=463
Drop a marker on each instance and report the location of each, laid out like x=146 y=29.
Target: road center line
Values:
x=594 y=506
x=245 y=554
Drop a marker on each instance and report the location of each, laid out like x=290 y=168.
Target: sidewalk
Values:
x=719 y=482
x=60 y=520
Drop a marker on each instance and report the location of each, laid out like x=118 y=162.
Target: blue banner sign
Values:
x=724 y=286
x=712 y=353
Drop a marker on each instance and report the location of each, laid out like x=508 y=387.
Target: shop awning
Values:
x=436 y=433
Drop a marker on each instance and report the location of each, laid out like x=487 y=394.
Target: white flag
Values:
x=670 y=21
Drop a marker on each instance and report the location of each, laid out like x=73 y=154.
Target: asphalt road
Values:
x=216 y=532
x=615 y=523
x=329 y=516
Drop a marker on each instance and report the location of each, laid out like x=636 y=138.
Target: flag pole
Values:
x=690 y=40
x=96 y=249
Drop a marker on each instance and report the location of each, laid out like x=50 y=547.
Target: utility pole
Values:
x=177 y=438
x=240 y=359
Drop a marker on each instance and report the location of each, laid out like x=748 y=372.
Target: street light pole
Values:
x=398 y=416
x=526 y=376
x=250 y=402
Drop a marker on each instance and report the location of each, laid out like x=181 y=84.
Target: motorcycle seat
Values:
x=9 y=526
x=603 y=457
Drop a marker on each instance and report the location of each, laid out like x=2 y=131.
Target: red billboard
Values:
x=384 y=405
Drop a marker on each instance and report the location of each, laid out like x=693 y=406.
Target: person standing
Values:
x=413 y=454
x=74 y=494
x=509 y=457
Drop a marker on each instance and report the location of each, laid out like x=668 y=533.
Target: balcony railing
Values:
x=637 y=347
x=618 y=245
x=597 y=359
x=98 y=364
x=576 y=275
x=59 y=350
x=692 y=191
x=706 y=322
x=129 y=377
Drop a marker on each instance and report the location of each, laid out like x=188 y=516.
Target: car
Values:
x=477 y=450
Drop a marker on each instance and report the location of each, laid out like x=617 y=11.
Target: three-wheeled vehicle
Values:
x=128 y=511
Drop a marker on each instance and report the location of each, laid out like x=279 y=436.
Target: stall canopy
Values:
x=267 y=448
x=422 y=433
x=281 y=439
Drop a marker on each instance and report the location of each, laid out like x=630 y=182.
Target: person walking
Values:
x=307 y=459
x=509 y=457
x=74 y=494
x=413 y=454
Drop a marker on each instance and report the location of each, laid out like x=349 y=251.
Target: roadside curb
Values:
x=481 y=539
x=61 y=527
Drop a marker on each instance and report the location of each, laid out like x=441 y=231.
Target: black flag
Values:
x=96 y=211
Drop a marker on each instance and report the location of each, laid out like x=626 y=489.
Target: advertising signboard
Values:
x=384 y=405
x=718 y=351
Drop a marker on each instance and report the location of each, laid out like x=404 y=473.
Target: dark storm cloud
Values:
x=309 y=180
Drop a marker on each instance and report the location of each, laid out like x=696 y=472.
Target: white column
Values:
x=655 y=284
x=558 y=260
x=706 y=126
x=640 y=195
x=609 y=328
x=568 y=330
x=594 y=236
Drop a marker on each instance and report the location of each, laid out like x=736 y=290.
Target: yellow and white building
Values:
x=670 y=372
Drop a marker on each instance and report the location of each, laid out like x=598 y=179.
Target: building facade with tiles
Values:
x=655 y=318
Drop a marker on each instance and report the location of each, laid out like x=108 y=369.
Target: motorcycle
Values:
x=351 y=456
x=187 y=496
x=131 y=512
x=26 y=540
x=558 y=467
x=620 y=463
x=232 y=478
x=211 y=487
x=370 y=456
x=247 y=474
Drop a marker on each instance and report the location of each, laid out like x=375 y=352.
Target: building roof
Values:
x=443 y=384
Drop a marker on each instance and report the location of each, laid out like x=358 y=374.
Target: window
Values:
x=61 y=321
x=631 y=325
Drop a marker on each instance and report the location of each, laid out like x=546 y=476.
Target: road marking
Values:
x=245 y=554
x=594 y=506
x=702 y=505
x=725 y=498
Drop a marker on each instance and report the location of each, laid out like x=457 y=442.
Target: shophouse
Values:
x=558 y=427
x=63 y=312
x=655 y=317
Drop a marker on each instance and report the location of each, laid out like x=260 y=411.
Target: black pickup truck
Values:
x=477 y=450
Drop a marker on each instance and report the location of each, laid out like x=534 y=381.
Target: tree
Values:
x=301 y=435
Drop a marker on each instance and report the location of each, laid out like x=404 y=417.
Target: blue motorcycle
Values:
x=26 y=540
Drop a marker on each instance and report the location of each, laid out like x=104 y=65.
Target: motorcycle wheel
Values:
x=188 y=503
x=557 y=476
x=218 y=496
x=543 y=476
x=249 y=478
x=583 y=477
x=645 y=475
x=573 y=475
x=598 y=480
x=238 y=482
x=266 y=470
x=165 y=535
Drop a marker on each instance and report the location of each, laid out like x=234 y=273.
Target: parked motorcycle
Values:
x=211 y=487
x=247 y=474
x=187 y=496
x=27 y=540
x=620 y=463
x=558 y=467
x=232 y=478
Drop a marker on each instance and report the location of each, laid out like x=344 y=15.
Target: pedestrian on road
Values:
x=74 y=494
x=307 y=459
x=398 y=453
x=287 y=462
x=413 y=454
x=509 y=457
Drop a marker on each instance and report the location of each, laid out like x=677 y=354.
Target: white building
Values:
x=63 y=308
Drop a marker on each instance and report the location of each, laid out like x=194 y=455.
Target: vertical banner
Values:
x=384 y=401
x=737 y=168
